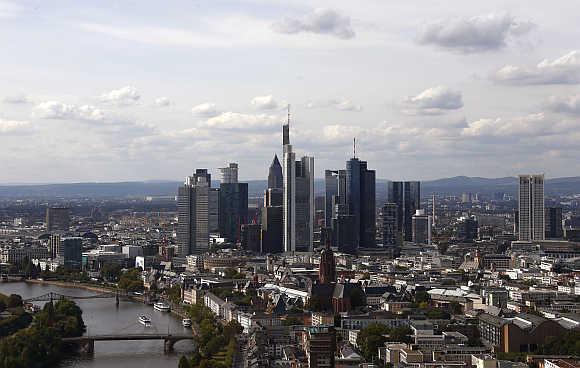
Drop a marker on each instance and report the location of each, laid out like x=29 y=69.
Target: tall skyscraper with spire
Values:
x=289 y=196
x=298 y=197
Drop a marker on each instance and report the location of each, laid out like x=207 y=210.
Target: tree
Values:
x=232 y=328
x=401 y=334
x=437 y=314
x=371 y=338
x=184 y=362
x=13 y=301
x=422 y=296
x=111 y=272
x=131 y=280
x=174 y=293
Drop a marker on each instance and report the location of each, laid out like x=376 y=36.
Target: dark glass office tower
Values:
x=275 y=174
x=272 y=231
x=407 y=196
x=360 y=200
x=554 y=229
x=233 y=211
x=389 y=225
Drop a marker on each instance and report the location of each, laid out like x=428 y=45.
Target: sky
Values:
x=148 y=90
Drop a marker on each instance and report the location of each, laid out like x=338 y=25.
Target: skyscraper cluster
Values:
x=286 y=221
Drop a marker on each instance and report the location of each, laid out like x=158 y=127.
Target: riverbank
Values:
x=75 y=285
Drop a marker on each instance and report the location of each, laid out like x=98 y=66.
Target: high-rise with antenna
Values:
x=289 y=195
x=298 y=197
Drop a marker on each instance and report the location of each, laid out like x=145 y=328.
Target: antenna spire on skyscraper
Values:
x=286 y=130
x=354 y=147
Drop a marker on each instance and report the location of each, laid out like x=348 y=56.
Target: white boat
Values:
x=162 y=307
x=186 y=322
x=143 y=319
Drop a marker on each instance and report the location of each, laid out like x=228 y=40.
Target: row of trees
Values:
x=215 y=343
x=41 y=345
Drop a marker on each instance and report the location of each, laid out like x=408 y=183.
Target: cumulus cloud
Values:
x=162 y=102
x=16 y=99
x=563 y=70
x=61 y=111
x=243 y=122
x=265 y=103
x=433 y=101
x=339 y=104
x=564 y=105
x=122 y=97
x=530 y=125
x=475 y=34
x=13 y=126
x=319 y=21
x=205 y=109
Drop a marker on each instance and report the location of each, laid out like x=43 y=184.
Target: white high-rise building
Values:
x=298 y=197
x=229 y=174
x=289 y=196
x=531 y=207
x=197 y=207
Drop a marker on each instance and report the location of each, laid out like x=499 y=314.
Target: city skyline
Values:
x=472 y=89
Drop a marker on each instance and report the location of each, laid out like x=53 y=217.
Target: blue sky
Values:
x=139 y=90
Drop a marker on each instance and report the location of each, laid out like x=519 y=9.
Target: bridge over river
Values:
x=86 y=344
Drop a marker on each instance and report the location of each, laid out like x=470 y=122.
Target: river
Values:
x=102 y=316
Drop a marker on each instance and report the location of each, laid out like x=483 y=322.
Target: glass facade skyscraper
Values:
x=407 y=196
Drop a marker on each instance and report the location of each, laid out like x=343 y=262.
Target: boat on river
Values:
x=162 y=307
x=144 y=320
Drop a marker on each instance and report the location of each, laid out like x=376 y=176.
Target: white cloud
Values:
x=564 y=70
x=17 y=99
x=206 y=109
x=13 y=126
x=244 y=122
x=565 y=105
x=530 y=125
x=339 y=104
x=162 y=102
x=61 y=111
x=347 y=105
x=474 y=34
x=319 y=21
x=125 y=96
x=265 y=103
x=433 y=101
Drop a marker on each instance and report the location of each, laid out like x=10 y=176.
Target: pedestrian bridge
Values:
x=86 y=344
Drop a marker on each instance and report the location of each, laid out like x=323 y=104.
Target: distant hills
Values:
x=448 y=186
